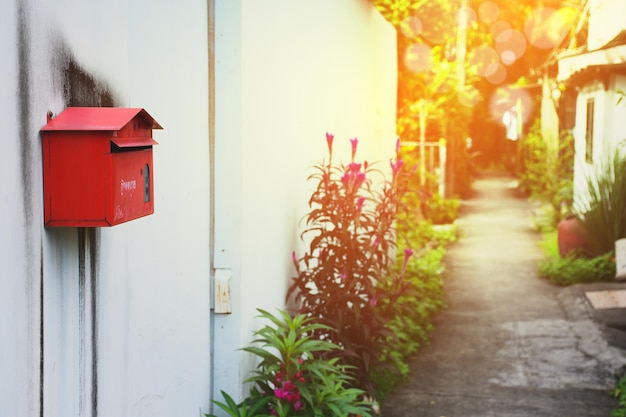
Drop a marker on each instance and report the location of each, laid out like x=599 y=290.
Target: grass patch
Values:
x=572 y=269
x=620 y=393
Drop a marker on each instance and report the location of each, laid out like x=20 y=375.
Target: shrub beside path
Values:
x=509 y=344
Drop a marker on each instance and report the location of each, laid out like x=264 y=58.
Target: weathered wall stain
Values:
x=82 y=89
x=93 y=240
x=33 y=310
x=25 y=136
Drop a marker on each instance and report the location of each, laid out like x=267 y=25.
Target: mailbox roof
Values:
x=98 y=118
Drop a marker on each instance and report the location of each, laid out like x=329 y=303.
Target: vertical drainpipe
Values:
x=211 y=75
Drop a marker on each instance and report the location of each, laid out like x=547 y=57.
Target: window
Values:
x=589 y=130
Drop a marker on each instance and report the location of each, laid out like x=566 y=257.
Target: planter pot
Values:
x=571 y=236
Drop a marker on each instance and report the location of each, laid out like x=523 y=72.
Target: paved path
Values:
x=508 y=345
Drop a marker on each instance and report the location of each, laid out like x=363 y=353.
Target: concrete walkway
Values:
x=509 y=344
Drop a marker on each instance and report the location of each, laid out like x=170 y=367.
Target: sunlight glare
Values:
x=545 y=26
x=504 y=99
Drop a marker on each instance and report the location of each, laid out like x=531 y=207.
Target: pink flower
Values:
x=329 y=141
x=354 y=167
x=280 y=393
x=396 y=166
x=297 y=406
x=374 y=300
x=359 y=203
x=408 y=252
x=294 y=259
x=354 y=142
x=360 y=179
x=345 y=179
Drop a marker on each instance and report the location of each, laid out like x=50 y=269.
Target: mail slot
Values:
x=97 y=166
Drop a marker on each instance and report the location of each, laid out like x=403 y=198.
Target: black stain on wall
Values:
x=26 y=178
x=80 y=87
x=88 y=250
x=93 y=238
x=83 y=90
x=24 y=116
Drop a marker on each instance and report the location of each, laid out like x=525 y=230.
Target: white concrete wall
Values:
x=603 y=22
x=609 y=130
x=305 y=68
x=125 y=310
x=116 y=321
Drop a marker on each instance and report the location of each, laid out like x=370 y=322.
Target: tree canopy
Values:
x=468 y=61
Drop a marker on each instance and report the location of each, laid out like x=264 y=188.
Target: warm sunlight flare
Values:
x=504 y=45
x=545 y=27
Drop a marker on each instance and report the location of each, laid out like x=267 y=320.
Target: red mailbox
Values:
x=97 y=166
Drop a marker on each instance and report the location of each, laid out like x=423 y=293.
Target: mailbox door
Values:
x=130 y=184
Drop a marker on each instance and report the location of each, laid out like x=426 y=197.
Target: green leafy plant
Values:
x=602 y=209
x=351 y=230
x=297 y=374
x=547 y=175
x=441 y=210
x=619 y=392
x=410 y=316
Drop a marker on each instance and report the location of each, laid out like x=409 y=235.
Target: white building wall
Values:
x=603 y=24
x=608 y=129
x=116 y=321
x=307 y=68
x=616 y=101
x=125 y=316
x=19 y=276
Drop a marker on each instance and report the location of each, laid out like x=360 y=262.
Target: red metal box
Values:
x=97 y=166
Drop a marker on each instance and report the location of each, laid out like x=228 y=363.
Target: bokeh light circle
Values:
x=418 y=58
x=511 y=45
x=488 y=12
x=499 y=27
x=498 y=76
x=411 y=27
x=483 y=61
